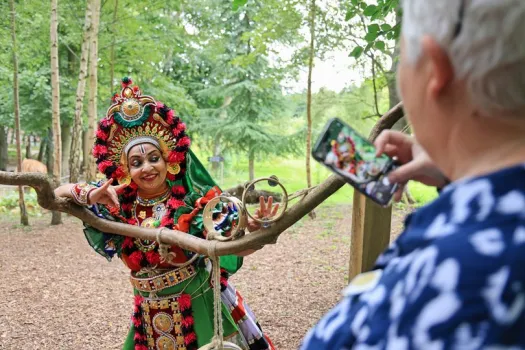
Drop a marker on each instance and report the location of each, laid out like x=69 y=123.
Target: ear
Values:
x=441 y=69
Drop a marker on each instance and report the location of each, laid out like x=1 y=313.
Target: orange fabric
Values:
x=184 y=221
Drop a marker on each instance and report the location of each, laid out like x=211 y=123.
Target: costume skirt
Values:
x=181 y=317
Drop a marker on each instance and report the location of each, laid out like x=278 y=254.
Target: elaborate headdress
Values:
x=133 y=119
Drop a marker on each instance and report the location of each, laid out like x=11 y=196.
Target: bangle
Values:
x=80 y=192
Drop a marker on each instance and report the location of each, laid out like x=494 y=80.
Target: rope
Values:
x=217 y=341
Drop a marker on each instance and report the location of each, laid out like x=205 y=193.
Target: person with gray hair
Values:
x=455 y=278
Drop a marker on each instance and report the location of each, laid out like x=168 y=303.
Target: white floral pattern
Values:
x=455 y=279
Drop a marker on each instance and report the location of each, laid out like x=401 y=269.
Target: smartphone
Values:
x=344 y=151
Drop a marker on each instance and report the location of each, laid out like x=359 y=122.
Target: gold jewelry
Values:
x=173 y=168
x=125 y=180
x=153 y=201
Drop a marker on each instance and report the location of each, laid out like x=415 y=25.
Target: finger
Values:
x=257 y=213
x=270 y=204
x=398 y=195
x=114 y=198
x=391 y=150
x=406 y=172
x=120 y=188
x=105 y=185
x=275 y=209
x=396 y=138
x=261 y=203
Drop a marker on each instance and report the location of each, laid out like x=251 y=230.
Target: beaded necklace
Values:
x=158 y=211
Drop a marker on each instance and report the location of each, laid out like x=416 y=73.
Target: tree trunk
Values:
x=42 y=148
x=309 y=100
x=86 y=147
x=66 y=145
x=3 y=148
x=28 y=146
x=112 y=50
x=49 y=157
x=76 y=135
x=55 y=105
x=13 y=136
x=24 y=220
x=91 y=169
x=251 y=165
x=216 y=153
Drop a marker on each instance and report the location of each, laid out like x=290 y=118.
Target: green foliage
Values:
x=9 y=203
x=382 y=23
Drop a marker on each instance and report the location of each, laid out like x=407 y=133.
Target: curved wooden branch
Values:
x=255 y=240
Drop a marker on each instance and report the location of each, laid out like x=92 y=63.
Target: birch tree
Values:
x=76 y=142
x=55 y=105
x=23 y=213
x=91 y=169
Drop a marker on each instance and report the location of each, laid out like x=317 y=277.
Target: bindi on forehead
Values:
x=142 y=149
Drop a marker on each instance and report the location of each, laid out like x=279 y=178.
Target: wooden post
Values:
x=371 y=223
x=370 y=236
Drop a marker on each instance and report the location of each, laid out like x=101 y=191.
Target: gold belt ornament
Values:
x=163 y=281
x=163 y=323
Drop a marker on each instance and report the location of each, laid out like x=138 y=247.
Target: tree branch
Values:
x=255 y=240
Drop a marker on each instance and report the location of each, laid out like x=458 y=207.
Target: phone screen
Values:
x=347 y=153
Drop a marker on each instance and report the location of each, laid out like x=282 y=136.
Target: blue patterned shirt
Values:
x=454 y=279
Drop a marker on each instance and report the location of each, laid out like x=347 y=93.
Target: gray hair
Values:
x=488 y=52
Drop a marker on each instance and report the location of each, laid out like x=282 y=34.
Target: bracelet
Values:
x=80 y=192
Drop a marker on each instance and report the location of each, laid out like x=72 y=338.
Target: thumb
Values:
x=406 y=172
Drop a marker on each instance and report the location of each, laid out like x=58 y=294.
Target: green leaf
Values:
x=356 y=52
x=355 y=2
x=370 y=10
x=373 y=28
x=386 y=27
x=349 y=15
x=370 y=37
x=238 y=3
x=380 y=45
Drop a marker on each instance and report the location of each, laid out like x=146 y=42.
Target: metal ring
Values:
x=284 y=201
x=207 y=217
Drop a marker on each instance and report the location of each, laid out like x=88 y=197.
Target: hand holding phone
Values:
x=350 y=155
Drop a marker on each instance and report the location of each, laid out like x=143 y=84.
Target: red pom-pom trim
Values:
x=184 y=302
x=175 y=203
x=140 y=347
x=184 y=142
x=169 y=117
x=106 y=122
x=126 y=206
x=136 y=257
x=160 y=105
x=132 y=221
x=190 y=338
x=166 y=221
x=102 y=166
x=128 y=242
x=139 y=337
x=100 y=151
x=188 y=321
x=102 y=135
x=170 y=176
x=127 y=83
x=120 y=173
x=176 y=157
x=153 y=257
x=178 y=190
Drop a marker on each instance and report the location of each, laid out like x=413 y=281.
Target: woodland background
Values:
x=233 y=70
